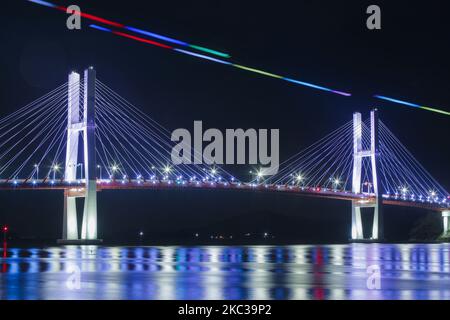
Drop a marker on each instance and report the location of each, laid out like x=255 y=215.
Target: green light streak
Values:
x=436 y=110
x=217 y=53
x=258 y=71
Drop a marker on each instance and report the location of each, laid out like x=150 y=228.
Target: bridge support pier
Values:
x=357 y=229
x=86 y=125
x=357 y=222
x=446 y=224
x=70 y=221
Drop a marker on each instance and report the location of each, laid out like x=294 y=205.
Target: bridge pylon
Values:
x=359 y=153
x=76 y=126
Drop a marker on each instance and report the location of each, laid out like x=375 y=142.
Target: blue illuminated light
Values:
x=99 y=28
x=398 y=101
x=157 y=36
x=202 y=56
x=44 y=3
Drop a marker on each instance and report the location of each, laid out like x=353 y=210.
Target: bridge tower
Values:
x=77 y=125
x=358 y=155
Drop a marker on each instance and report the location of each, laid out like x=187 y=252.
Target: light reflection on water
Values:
x=408 y=271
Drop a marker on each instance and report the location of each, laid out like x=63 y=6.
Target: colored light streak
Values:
x=178 y=42
x=126 y=35
x=100 y=28
x=44 y=3
x=264 y=73
x=201 y=56
x=214 y=52
x=133 y=29
x=412 y=105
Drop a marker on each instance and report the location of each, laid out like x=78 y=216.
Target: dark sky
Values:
x=324 y=42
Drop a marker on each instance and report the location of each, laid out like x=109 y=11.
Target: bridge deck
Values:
x=77 y=189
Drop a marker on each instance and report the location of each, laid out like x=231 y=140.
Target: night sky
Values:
x=323 y=42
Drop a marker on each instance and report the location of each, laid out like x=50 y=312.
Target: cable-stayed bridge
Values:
x=83 y=137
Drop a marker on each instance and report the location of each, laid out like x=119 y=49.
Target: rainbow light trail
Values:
x=214 y=52
x=133 y=29
x=413 y=105
x=201 y=56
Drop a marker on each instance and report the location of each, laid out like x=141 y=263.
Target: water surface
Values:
x=408 y=271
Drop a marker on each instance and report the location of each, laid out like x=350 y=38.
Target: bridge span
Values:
x=82 y=138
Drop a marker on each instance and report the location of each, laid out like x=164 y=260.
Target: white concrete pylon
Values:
x=358 y=155
x=70 y=224
x=75 y=126
x=89 y=227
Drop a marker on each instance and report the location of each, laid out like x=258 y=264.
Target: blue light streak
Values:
x=44 y=3
x=203 y=56
x=398 y=101
x=99 y=28
x=157 y=36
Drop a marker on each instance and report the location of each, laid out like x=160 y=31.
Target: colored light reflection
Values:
x=94 y=26
x=178 y=42
x=214 y=52
x=317 y=87
x=264 y=73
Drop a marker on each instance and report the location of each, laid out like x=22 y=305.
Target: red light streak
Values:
x=126 y=35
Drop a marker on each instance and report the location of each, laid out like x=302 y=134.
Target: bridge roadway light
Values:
x=55 y=169
x=114 y=169
x=404 y=191
x=100 y=173
x=336 y=183
x=167 y=169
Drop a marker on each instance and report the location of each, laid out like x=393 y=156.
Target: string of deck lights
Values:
x=213 y=52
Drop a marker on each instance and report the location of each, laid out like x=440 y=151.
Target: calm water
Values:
x=412 y=271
